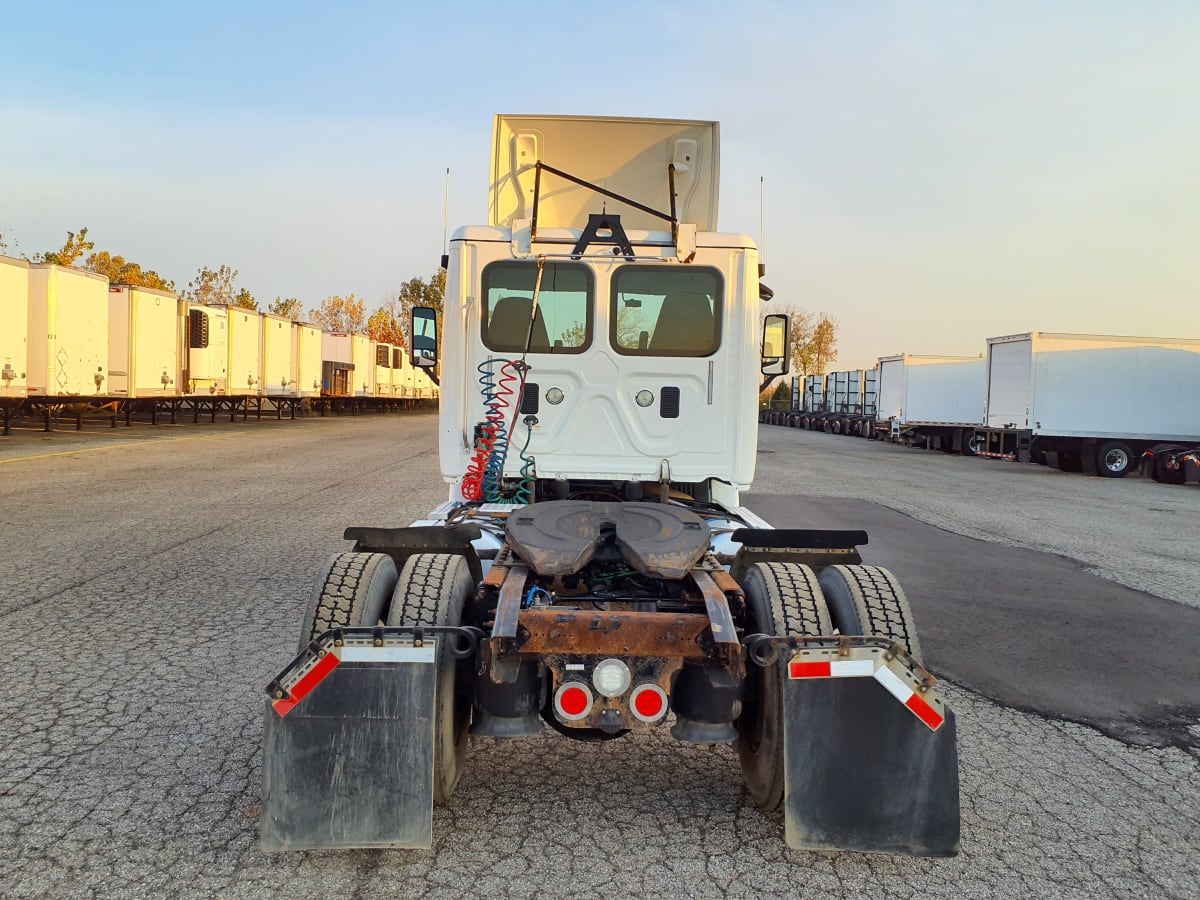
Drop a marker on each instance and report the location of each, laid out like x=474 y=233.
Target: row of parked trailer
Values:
x=66 y=333
x=1104 y=405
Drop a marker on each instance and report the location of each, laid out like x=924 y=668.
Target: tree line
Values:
x=218 y=287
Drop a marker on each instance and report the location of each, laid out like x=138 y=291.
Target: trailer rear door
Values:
x=1010 y=362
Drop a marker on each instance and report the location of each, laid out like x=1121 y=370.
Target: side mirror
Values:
x=776 y=350
x=424 y=337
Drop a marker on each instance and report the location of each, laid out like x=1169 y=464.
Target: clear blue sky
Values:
x=936 y=173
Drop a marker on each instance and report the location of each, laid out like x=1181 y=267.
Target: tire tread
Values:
x=881 y=604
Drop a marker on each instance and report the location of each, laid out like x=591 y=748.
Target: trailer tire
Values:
x=354 y=591
x=1115 y=459
x=868 y=600
x=782 y=599
x=433 y=589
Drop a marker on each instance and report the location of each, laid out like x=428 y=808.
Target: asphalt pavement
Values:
x=1032 y=630
x=150 y=590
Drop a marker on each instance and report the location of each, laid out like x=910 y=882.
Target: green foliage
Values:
x=289 y=308
x=75 y=247
x=245 y=300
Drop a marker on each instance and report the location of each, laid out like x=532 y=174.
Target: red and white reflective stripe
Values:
x=835 y=668
x=995 y=455
x=869 y=668
x=307 y=682
x=909 y=698
x=351 y=653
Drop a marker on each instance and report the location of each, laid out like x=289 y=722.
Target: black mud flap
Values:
x=350 y=764
x=862 y=772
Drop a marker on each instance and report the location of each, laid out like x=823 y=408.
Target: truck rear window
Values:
x=665 y=311
x=564 y=314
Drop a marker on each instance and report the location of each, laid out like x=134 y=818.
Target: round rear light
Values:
x=611 y=677
x=573 y=701
x=648 y=702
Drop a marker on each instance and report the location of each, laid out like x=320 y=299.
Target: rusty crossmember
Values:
x=524 y=632
x=583 y=632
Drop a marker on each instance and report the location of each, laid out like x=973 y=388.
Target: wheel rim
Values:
x=1116 y=460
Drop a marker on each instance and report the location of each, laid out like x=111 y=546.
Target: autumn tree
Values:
x=383 y=326
x=212 y=287
x=75 y=247
x=821 y=349
x=118 y=270
x=417 y=292
x=245 y=300
x=337 y=313
x=813 y=339
x=288 y=307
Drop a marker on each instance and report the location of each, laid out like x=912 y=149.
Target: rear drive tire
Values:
x=433 y=589
x=354 y=591
x=868 y=600
x=782 y=599
x=1115 y=459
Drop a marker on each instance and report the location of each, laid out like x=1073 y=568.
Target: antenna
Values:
x=762 y=266
x=446 y=222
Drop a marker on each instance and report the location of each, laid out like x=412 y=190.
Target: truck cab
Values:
x=639 y=363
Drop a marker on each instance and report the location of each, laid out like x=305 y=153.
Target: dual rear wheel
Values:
x=363 y=589
x=789 y=599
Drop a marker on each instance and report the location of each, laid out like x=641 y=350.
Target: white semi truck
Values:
x=1089 y=402
x=593 y=569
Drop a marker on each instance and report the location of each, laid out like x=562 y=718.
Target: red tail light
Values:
x=573 y=701
x=648 y=702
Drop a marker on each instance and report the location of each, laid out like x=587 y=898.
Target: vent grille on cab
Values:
x=668 y=405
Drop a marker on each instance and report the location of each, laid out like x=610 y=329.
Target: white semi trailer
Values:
x=205 y=339
x=594 y=569
x=14 y=326
x=1089 y=402
x=306 y=359
x=930 y=401
x=68 y=332
x=245 y=351
x=383 y=368
x=143 y=349
x=278 y=367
